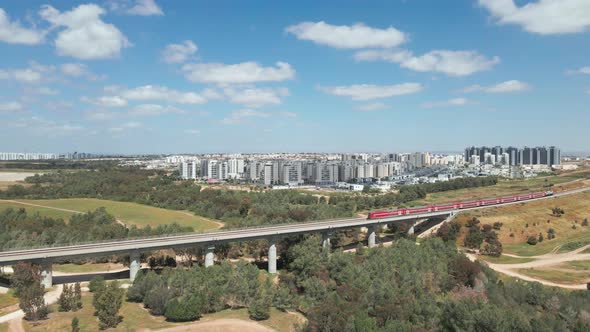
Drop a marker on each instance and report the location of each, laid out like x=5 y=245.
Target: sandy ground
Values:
x=14 y=176
x=542 y=261
x=221 y=325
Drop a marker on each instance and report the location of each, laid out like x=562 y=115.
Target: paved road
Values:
x=218 y=237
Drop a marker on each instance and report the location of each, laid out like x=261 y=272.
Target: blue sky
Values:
x=144 y=76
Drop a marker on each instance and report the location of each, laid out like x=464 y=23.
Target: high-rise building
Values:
x=291 y=174
x=188 y=170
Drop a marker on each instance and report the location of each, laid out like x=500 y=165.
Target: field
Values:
x=558 y=275
x=529 y=219
x=7 y=302
x=128 y=213
x=136 y=318
x=505 y=259
x=509 y=187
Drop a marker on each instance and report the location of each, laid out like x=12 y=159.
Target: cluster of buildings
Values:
x=10 y=156
x=317 y=170
x=512 y=156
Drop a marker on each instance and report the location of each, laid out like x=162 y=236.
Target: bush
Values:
x=585 y=222
x=540 y=239
x=532 y=240
x=474 y=239
x=95 y=283
x=156 y=300
x=75 y=324
x=497 y=225
x=185 y=309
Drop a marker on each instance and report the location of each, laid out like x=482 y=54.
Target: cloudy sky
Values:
x=154 y=76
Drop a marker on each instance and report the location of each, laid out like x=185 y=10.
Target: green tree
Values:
x=25 y=275
x=259 y=309
x=32 y=302
x=108 y=302
x=77 y=297
x=75 y=324
x=185 y=309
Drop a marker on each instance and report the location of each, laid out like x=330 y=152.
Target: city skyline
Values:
x=166 y=77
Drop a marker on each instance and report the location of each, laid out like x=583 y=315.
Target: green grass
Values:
x=563 y=277
x=7 y=300
x=571 y=246
x=578 y=265
x=81 y=268
x=128 y=213
x=547 y=246
x=47 y=212
x=505 y=259
x=4 y=327
x=586 y=251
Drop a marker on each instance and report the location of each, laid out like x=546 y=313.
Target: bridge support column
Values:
x=272 y=256
x=371 y=236
x=326 y=240
x=209 y=256
x=411 y=230
x=134 y=264
x=46 y=273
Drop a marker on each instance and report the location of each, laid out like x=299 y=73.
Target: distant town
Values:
x=340 y=171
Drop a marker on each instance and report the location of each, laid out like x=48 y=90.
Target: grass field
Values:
x=7 y=300
x=85 y=268
x=128 y=213
x=136 y=318
x=558 y=276
x=537 y=215
x=4 y=327
x=578 y=265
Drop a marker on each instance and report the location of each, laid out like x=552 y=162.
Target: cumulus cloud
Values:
x=153 y=110
x=452 y=63
x=84 y=34
x=178 y=53
x=126 y=127
x=545 y=17
x=245 y=72
x=161 y=93
x=450 y=102
x=256 y=97
x=192 y=131
x=35 y=73
x=145 y=8
x=41 y=126
x=370 y=91
x=583 y=70
x=107 y=101
x=11 y=106
x=241 y=115
x=371 y=107
x=287 y=114
x=14 y=33
x=347 y=36
x=44 y=90
x=503 y=87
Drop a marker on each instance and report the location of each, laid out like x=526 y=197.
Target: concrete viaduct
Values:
x=134 y=247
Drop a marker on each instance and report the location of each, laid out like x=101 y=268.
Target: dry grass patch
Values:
x=557 y=275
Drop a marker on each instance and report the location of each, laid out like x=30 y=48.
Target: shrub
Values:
x=540 y=239
x=585 y=222
x=185 y=309
x=532 y=240
x=497 y=225
x=95 y=283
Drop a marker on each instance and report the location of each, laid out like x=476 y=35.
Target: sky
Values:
x=154 y=76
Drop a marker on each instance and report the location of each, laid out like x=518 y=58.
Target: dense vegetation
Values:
x=236 y=208
x=405 y=287
x=19 y=229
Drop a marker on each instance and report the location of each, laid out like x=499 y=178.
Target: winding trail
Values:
x=547 y=260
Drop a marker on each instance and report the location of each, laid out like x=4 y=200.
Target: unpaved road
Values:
x=540 y=261
x=220 y=325
x=50 y=297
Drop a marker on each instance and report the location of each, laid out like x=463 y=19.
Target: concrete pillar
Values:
x=209 y=256
x=411 y=230
x=326 y=240
x=371 y=236
x=272 y=256
x=46 y=273
x=134 y=264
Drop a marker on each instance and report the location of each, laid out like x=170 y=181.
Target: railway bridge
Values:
x=45 y=256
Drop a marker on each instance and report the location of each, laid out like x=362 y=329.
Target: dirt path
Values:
x=51 y=208
x=550 y=260
x=218 y=223
x=221 y=325
x=16 y=325
x=50 y=297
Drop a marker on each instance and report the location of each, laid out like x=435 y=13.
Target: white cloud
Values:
x=178 y=53
x=192 y=131
x=452 y=63
x=14 y=33
x=153 y=110
x=450 y=102
x=126 y=126
x=34 y=74
x=256 y=97
x=47 y=91
x=161 y=93
x=372 y=107
x=107 y=101
x=287 y=114
x=79 y=70
x=504 y=87
x=58 y=105
x=245 y=72
x=145 y=8
x=543 y=17
x=348 y=37
x=238 y=116
x=45 y=127
x=85 y=35
x=369 y=91
x=11 y=106
x=583 y=70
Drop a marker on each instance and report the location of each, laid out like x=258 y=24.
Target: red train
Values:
x=456 y=205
